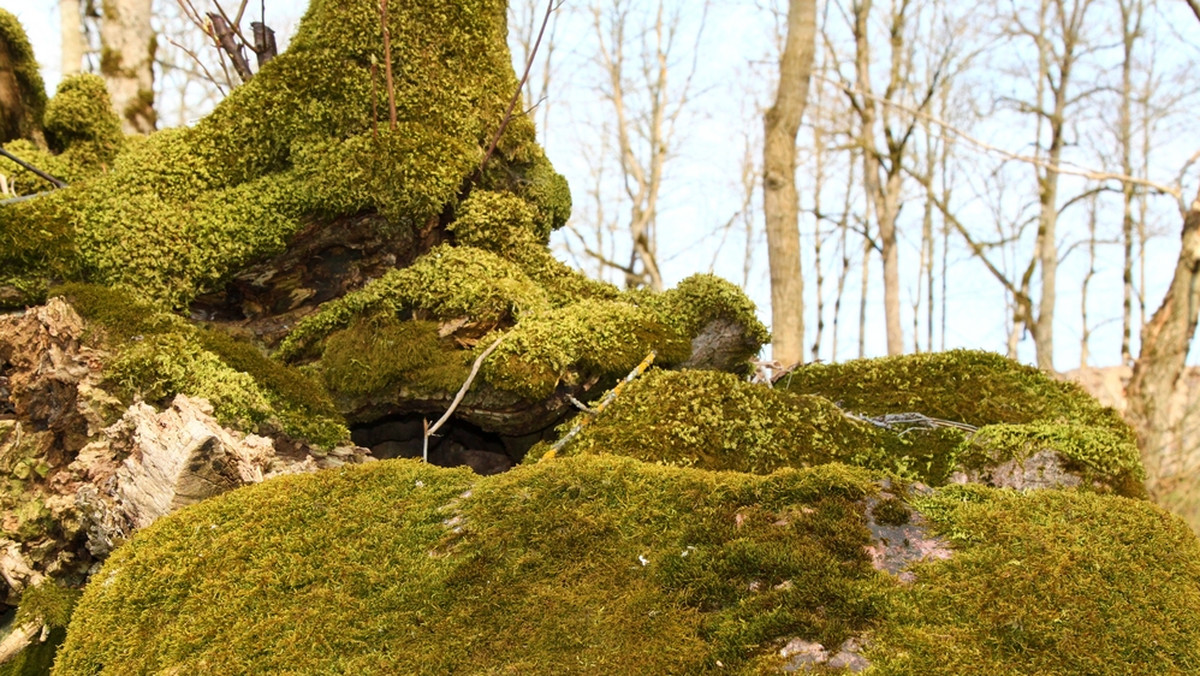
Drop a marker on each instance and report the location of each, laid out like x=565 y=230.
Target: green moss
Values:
x=48 y=603
x=715 y=421
x=701 y=299
x=1101 y=455
x=973 y=387
x=158 y=355
x=608 y=565
x=572 y=343
x=381 y=353
x=30 y=87
x=182 y=211
x=80 y=122
x=1048 y=582
x=598 y=564
x=891 y=512
x=447 y=283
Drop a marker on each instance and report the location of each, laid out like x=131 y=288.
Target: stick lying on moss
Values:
x=591 y=413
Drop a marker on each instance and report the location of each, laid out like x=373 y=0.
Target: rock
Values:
x=1044 y=469
x=898 y=543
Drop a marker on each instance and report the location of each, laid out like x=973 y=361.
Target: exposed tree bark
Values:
x=1166 y=339
x=781 y=206
x=71 y=23
x=126 y=61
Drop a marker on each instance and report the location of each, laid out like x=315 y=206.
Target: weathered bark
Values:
x=781 y=204
x=126 y=62
x=325 y=260
x=71 y=24
x=1166 y=339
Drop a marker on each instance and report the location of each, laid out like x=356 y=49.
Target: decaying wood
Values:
x=264 y=43
x=19 y=639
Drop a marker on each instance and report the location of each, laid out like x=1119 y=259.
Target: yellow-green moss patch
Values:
x=1048 y=582
x=185 y=208
x=597 y=564
x=30 y=86
x=158 y=355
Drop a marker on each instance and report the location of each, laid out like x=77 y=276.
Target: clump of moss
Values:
x=50 y=605
x=1047 y=582
x=380 y=353
x=298 y=142
x=973 y=387
x=569 y=344
x=597 y=563
x=158 y=355
x=1020 y=410
x=715 y=421
x=1100 y=455
x=447 y=283
x=30 y=86
x=701 y=299
x=80 y=122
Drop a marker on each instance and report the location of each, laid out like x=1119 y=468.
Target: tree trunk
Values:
x=126 y=61
x=781 y=204
x=1166 y=339
x=71 y=21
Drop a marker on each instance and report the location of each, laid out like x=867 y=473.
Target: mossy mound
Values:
x=157 y=355
x=184 y=209
x=1048 y=582
x=1019 y=409
x=717 y=421
x=608 y=565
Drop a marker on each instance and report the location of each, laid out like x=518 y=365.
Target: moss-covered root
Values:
x=157 y=354
x=1048 y=582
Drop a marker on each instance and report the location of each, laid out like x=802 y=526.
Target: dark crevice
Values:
x=458 y=443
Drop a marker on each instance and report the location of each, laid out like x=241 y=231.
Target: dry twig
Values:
x=462 y=392
x=591 y=413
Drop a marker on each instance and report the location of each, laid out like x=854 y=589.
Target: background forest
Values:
x=1010 y=175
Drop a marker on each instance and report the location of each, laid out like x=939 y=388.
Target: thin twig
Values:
x=1062 y=168
x=590 y=415
x=387 y=66
x=462 y=392
x=22 y=198
x=520 y=86
x=56 y=182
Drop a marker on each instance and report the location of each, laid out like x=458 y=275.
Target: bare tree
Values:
x=71 y=24
x=646 y=95
x=781 y=205
x=126 y=62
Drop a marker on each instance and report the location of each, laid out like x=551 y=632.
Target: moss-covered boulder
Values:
x=939 y=418
x=606 y=565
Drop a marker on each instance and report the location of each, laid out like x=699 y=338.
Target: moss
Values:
x=381 y=353
x=701 y=299
x=891 y=512
x=1100 y=455
x=570 y=344
x=608 y=565
x=48 y=603
x=80 y=123
x=447 y=283
x=158 y=355
x=297 y=142
x=1048 y=582
x=973 y=387
x=31 y=88
x=598 y=564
